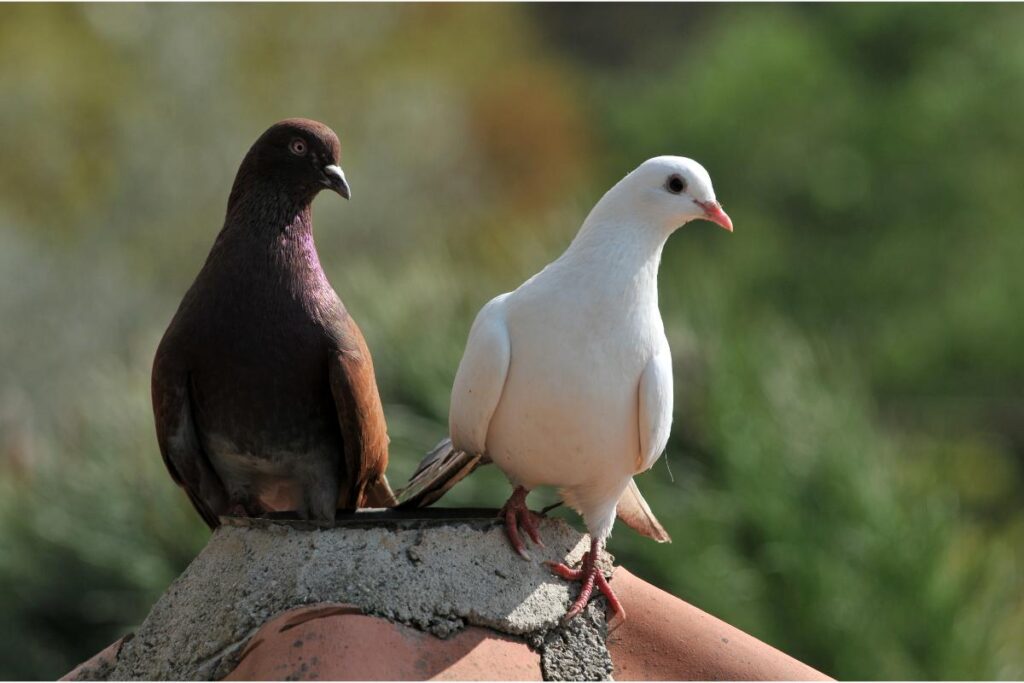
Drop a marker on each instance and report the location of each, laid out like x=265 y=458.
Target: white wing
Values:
x=480 y=378
x=655 y=407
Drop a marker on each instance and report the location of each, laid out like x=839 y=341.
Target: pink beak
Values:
x=714 y=213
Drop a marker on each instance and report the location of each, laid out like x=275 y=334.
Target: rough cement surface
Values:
x=560 y=654
x=434 y=575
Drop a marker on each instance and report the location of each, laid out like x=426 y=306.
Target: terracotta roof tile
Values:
x=336 y=642
x=665 y=638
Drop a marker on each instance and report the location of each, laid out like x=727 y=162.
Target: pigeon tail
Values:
x=441 y=469
x=378 y=494
x=445 y=466
x=636 y=513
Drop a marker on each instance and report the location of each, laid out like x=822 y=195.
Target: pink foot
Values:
x=517 y=515
x=590 y=575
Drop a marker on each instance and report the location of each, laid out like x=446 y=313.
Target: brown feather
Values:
x=361 y=416
x=179 y=444
x=442 y=468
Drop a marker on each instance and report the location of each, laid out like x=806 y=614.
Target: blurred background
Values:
x=844 y=475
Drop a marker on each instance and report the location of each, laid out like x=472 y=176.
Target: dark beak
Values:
x=334 y=177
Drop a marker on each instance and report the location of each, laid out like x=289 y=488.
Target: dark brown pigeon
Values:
x=263 y=387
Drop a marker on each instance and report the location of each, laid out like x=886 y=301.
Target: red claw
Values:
x=517 y=515
x=590 y=574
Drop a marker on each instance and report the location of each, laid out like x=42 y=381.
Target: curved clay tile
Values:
x=665 y=638
x=337 y=642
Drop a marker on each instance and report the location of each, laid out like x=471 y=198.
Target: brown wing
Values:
x=361 y=416
x=179 y=443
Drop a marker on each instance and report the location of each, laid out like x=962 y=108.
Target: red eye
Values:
x=298 y=147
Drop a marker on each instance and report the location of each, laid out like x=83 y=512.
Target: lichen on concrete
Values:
x=435 y=575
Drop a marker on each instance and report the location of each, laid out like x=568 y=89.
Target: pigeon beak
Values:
x=335 y=179
x=714 y=213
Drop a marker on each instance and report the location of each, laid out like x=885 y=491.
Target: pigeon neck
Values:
x=265 y=209
x=618 y=246
x=264 y=220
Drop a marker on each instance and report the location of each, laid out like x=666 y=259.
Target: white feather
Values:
x=655 y=407
x=479 y=379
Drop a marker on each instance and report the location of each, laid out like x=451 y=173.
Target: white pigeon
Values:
x=567 y=381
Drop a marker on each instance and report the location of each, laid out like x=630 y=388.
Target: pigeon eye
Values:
x=675 y=184
x=298 y=147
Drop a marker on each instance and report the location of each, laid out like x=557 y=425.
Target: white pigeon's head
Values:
x=669 y=191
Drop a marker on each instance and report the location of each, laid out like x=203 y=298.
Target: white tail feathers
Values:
x=444 y=467
x=636 y=513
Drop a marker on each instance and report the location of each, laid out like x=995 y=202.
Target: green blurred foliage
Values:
x=847 y=453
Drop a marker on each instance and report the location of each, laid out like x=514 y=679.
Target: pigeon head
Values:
x=296 y=158
x=670 y=191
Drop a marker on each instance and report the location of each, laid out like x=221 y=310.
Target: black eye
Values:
x=675 y=184
x=298 y=147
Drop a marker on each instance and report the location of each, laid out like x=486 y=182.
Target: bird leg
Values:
x=590 y=575
x=516 y=514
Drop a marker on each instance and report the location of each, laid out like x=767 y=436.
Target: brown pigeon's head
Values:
x=297 y=156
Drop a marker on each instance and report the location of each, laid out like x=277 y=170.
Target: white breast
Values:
x=568 y=413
